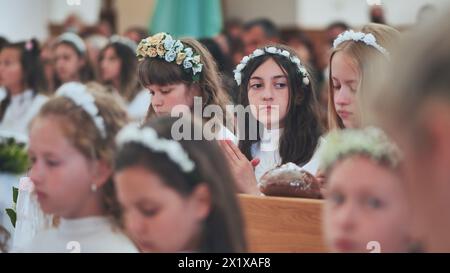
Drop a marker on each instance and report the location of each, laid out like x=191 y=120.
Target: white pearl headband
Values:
x=271 y=50
x=366 y=38
x=78 y=94
x=148 y=137
x=73 y=39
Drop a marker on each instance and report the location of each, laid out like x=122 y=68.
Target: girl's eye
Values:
x=165 y=91
x=32 y=160
x=52 y=163
x=337 y=198
x=336 y=87
x=256 y=85
x=152 y=93
x=280 y=85
x=149 y=212
x=374 y=203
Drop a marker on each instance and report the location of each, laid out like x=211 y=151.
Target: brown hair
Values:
x=158 y=71
x=302 y=128
x=369 y=62
x=129 y=84
x=33 y=72
x=223 y=228
x=81 y=131
x=420 y=72
x=86 y=72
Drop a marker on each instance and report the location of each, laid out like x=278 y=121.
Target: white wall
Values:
x=23 y=19
x=87 y=10
x=281 y=12
x=319 y=13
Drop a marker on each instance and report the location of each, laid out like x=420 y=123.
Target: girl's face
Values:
x=157 y=217
x=345 y=80
x=166 y=97
x=11 y=73
x=48 y=64
x=67 y=63
x=268 y=92
x=61 y=174
x=361 y=208
x=110 y=65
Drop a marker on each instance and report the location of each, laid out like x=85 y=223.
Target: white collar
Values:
x=25 y=95
x=270 y=139
x=86 y=223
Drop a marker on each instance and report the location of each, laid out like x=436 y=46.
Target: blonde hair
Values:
x=158 y=71
x=368 y=60
x=419 y=73
x=79 y=128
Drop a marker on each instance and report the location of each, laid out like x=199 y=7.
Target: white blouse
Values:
x=225 y=134
x=85 y=235
x=21 y=110
x=267 y=150
x=138 y=107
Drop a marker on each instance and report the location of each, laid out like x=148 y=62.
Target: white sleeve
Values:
x=137 y=109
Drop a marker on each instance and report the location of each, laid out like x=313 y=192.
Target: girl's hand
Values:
x=320 y=176
x=241 y=168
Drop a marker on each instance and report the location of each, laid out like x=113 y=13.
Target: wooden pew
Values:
x=279 y=224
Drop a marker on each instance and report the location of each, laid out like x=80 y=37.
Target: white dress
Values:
x=225 y=134
x=138 y=107
x=85 y=235
x=21 y=110
x=267 y=150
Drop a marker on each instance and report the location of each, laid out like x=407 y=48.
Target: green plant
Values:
x=13 y=156
x=12 y=211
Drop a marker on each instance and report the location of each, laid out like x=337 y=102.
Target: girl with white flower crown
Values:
x=279 y=87
x=177 y=196
x=71 y=169
x=117 y=69
x=178 y=72
x=24 y=83
x=71 y=60
x=357 y=64
x=366 y=208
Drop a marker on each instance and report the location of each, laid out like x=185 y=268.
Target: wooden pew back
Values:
x=279 y=224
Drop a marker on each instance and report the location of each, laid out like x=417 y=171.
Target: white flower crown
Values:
x=148 y=137
x=367 y=38
x=369 y=141
x=124 y=41
x=73 y=39
x=271 y=50
x=77 y=92
x=163 y=46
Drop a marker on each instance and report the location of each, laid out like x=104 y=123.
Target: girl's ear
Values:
x=102 y=173
x=81 y=62
x=195 y=90
x=201 y=201
x=299 y=97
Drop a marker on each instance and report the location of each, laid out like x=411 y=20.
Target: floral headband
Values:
x=271 y=50
x=367 y=38
x=77 y=92
x=148 y=137
x=73 y=39
x=163 y=46
x=369 y=141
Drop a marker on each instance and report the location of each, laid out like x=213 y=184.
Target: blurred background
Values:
x=21 y=19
